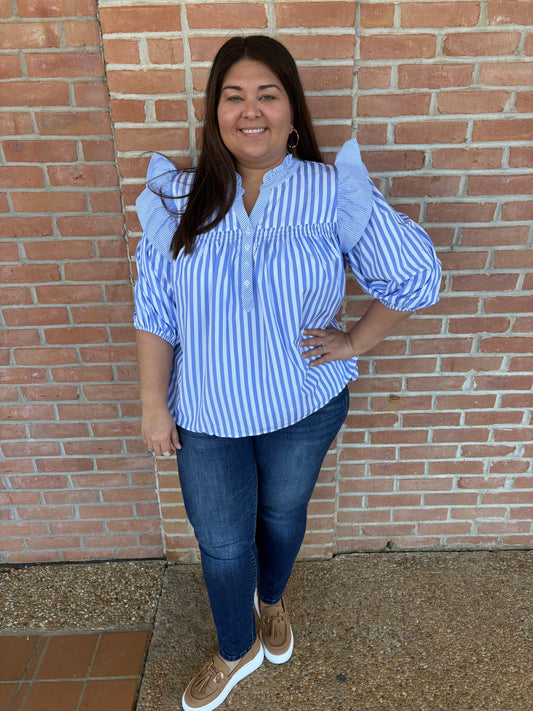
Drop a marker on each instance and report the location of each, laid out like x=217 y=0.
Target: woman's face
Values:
x=254 y=116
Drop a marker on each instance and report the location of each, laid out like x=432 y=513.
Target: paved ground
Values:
x=384 y=631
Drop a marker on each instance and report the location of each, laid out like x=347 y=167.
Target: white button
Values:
x=246 y=264
x=247 y=247
x=247 y=283
x=248 y=231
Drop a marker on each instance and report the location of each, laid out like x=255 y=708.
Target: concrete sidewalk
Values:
x=373 y=631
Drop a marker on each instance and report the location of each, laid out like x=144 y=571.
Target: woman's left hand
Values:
x=326 y=344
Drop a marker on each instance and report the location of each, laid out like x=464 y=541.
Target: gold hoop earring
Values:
x=291 y=147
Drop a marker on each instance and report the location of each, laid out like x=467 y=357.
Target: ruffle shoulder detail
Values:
x=162 y=201
x=354 y=195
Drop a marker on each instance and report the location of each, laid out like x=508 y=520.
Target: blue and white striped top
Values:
x=236 y=309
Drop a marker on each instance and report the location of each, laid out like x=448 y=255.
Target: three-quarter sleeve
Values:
x=155 y=307
x=392 y=257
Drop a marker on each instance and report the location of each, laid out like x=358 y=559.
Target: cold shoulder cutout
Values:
x=354 y=195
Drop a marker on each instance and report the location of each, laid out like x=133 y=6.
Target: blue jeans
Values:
x=247 y=498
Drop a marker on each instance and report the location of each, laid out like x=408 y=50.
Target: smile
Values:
x=252 y=131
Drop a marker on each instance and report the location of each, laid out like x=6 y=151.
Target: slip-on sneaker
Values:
x=275 y=631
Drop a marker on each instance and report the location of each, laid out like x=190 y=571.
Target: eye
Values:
x=267 y=97
x=233 y=98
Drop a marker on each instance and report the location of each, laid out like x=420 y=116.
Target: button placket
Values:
x=247 y=278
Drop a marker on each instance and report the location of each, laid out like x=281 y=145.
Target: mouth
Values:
x=253 y=131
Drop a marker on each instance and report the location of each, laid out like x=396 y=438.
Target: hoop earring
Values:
x=291 y=147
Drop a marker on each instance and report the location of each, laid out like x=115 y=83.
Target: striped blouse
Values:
x=236 y=309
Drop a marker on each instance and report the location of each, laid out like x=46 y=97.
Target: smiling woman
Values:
x=243 y=368
x=255 y=120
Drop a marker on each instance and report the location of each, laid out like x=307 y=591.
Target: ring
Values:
x=323 y=349
x=167 y=454
x=150 y=449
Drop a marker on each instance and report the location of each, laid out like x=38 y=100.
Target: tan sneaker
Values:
x=275 y=630
x=214 y=681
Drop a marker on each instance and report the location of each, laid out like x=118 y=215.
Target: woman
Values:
x=243 y=369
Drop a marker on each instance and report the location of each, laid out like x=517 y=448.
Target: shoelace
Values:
x=208 y=674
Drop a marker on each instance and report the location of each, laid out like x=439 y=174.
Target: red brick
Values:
x=335 y=107
x=93 y=225
x=153 y=139
x=58 y=8
x=374 y=78
x=440 y=14
x=371 y=134
x=48 y=202
x=65 y=64
x=398 y=47
x=500 y=185
x=484 y=282
x=513 y=12
x=24 y=35
x=393 y=160
x=82 y=34
x=506 y=74
x=31 y=93
x=155 y=18
x=393 y=105
x=10 y=66
x=48 y=356
x=69 y=123
x=458 y=212
x=508 y=304
x=332 y=135
x=149 y=81
x=171 y=110
x=472 y=44
x=314 y=46
x=498 y=236
x=467 y=158
x=106 y=202
x=430 y=132
x=434 y=76
x=61 y=430
x=129 y=110
x=472 y=102
x=6 y=10
x=226 y=16
x=75 y=335
x=40 y=151
x=518 y=210
x=81 y=176
x=65 y=293
x=15 y=123
x=91 y=94
x=36 y=316
x=121 y=51
x=25 y=226
x=99 y=272
x=165 y=51
x=524 y=102
x=99 y=150
x=376 y=15
x=31 y=273
x=314 y=14
x=435 y=186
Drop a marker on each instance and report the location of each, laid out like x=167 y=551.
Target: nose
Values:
x=251 y=108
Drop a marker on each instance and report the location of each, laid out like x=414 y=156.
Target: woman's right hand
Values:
x=159 y=432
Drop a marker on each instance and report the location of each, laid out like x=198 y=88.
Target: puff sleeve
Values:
x=155 y=306
x=391 y=257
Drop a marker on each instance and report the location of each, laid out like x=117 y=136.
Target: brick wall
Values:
x=436 y=451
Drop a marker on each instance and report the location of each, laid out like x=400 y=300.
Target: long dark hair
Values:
x=214 y=187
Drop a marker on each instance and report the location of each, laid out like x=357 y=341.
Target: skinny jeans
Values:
x=247 y=498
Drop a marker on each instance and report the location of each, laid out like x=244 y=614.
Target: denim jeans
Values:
x=247 y=498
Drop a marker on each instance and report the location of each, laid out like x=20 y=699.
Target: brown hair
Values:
x=214 y=187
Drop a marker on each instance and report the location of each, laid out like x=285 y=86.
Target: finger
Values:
x=174 y=438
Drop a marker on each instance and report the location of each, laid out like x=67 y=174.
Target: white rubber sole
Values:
x=247 y=669
x=274 y=658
